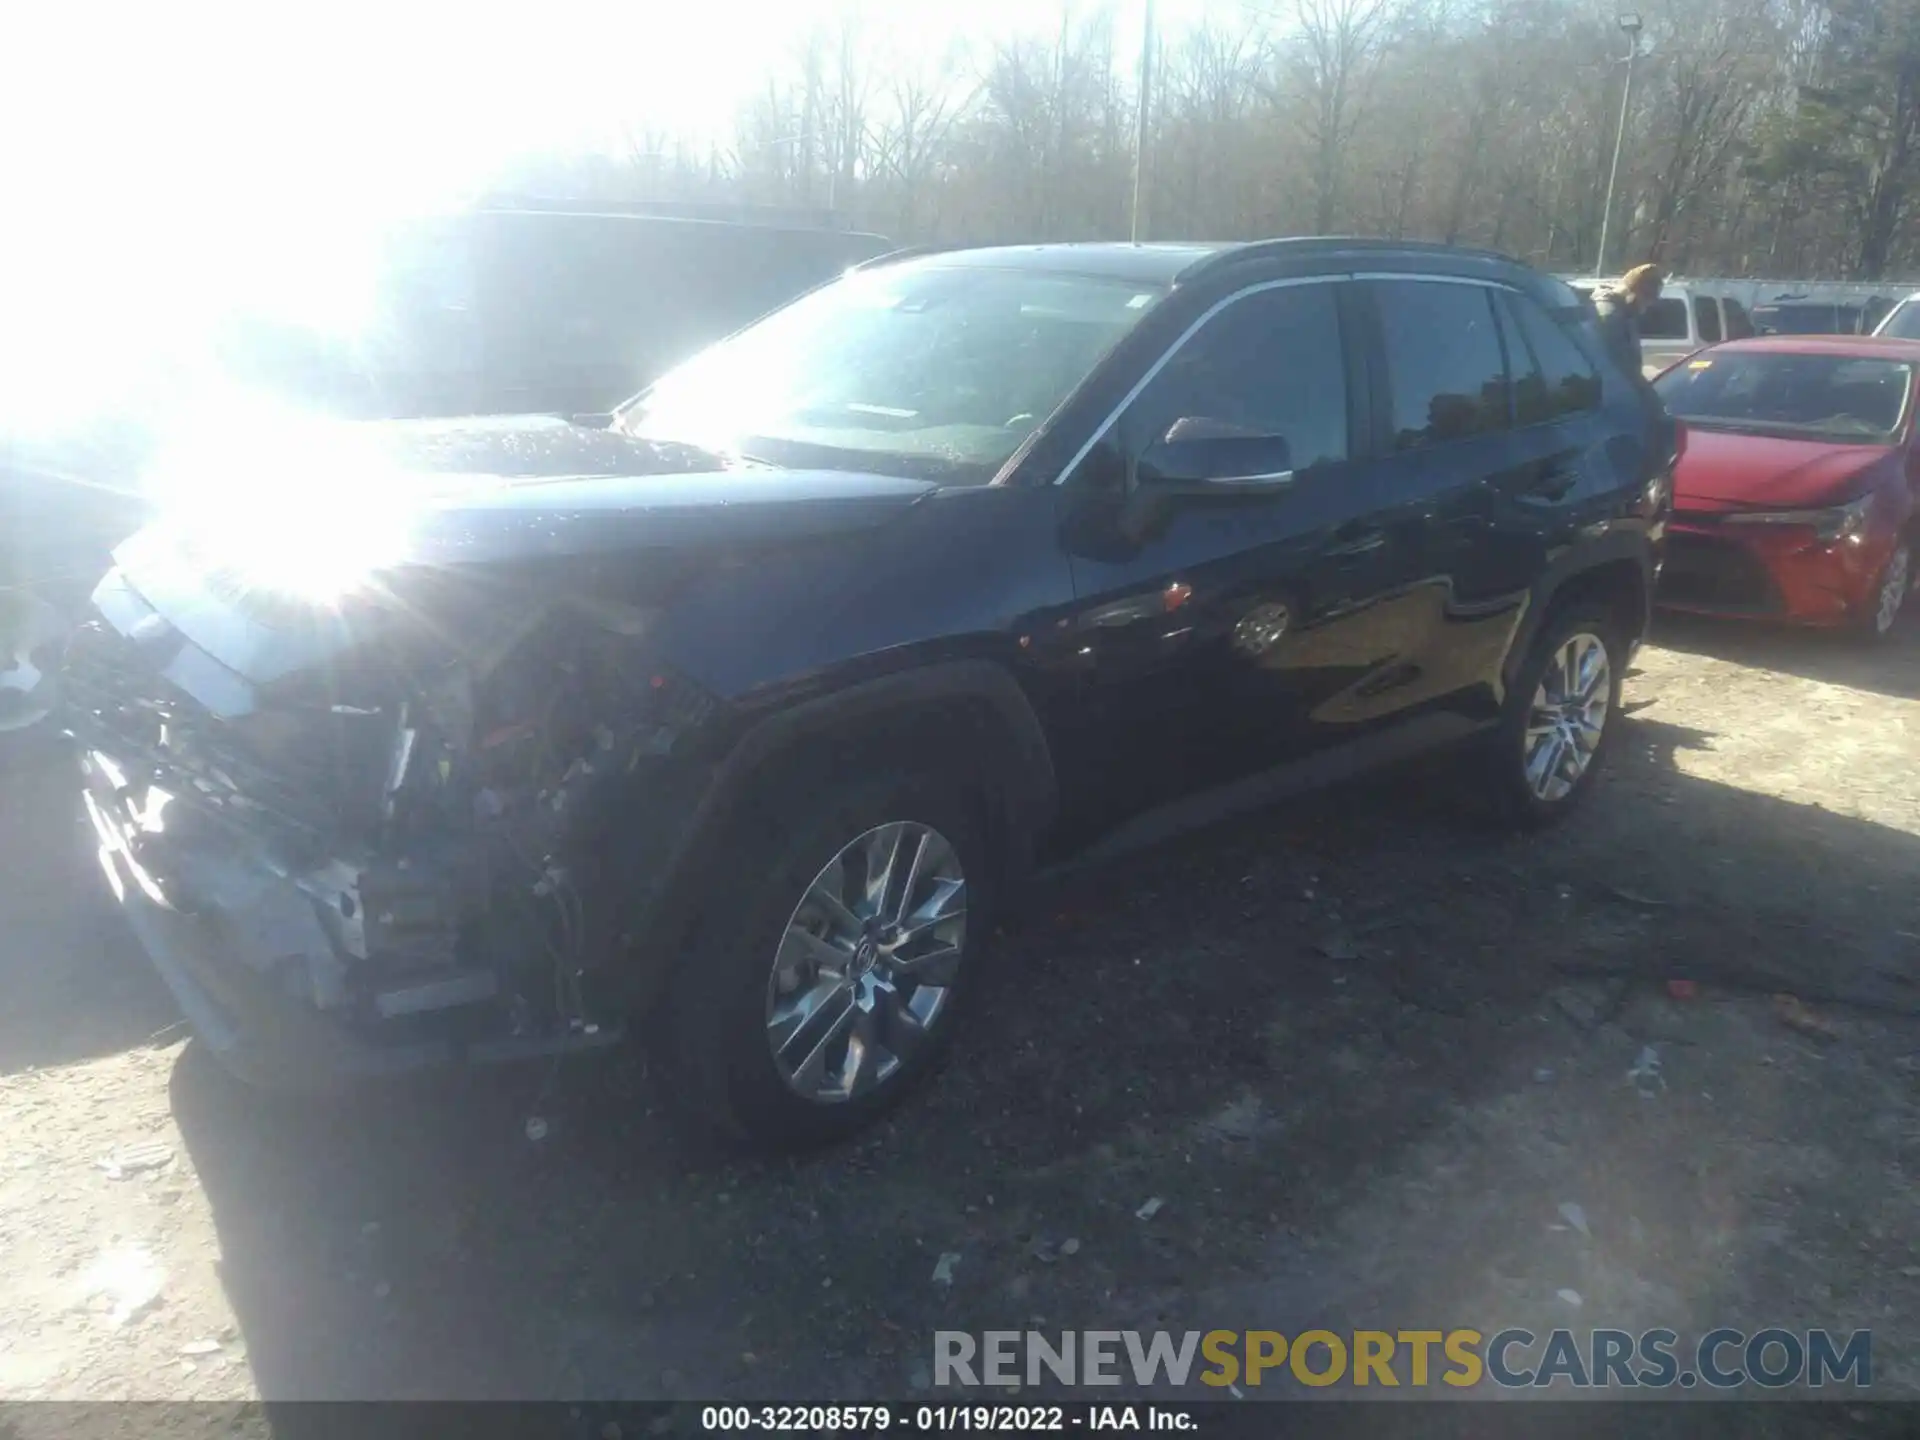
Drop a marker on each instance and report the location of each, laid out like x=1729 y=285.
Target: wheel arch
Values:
x=1616 y=573
x=975 y=706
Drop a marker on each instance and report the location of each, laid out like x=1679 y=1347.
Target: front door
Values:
x=1206 y=642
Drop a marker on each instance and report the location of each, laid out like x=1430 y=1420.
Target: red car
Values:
x=1794 y=498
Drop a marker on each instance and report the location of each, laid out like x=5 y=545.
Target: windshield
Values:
x=1834 y=397
x=1903 y=322
x=927 y=370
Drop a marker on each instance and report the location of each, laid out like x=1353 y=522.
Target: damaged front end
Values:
x=398 y=856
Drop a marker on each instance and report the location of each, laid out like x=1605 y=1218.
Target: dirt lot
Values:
x=1364 y=1051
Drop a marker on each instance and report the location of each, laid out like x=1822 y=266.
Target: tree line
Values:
x=1773 y=138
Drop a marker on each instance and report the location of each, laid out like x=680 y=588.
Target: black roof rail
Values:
x=1309 y=245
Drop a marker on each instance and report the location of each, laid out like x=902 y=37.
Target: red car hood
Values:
x=1720 y=470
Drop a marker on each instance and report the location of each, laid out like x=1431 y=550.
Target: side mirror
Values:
x=1203 y=456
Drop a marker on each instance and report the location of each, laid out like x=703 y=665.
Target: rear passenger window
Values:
x=1706 y=316
x=1570 y=383
x=1526 y=381
x=1444 y=373
x=1739 y=323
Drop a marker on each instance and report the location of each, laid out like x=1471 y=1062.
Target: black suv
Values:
x=739 y=715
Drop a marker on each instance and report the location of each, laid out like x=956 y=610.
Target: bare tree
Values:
x=1779 y=136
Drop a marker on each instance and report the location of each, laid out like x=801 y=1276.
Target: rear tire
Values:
x=1559 y=719
x=812 y=999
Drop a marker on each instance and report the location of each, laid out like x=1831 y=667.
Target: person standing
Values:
x=1620 y=309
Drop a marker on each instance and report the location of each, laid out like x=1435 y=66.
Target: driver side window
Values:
x=1268 y=364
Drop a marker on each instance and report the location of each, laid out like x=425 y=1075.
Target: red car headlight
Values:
x=1831 y=525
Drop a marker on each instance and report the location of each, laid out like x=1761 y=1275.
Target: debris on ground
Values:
x=132 y=1159
x=1796 y=1014
x=943 y=1270
x=1634 y=897
x=1070 y=1246
x=128 y=1278
x=1572 y=1297
x=1645 y=1075
x=536 y=1129
x=1574 y=1215
x=200 y=1347
x=1150 y=1209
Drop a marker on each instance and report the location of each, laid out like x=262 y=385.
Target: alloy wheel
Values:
x=866 y=966
x=1567 y=717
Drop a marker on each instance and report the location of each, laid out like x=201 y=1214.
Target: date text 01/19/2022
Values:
x=942 y=1419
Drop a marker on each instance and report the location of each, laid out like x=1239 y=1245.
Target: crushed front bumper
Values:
x=261 y=965
x=1769 y=573
x=235 y=943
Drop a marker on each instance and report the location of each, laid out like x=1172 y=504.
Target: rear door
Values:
x=1559 y=475
x=1447 y=457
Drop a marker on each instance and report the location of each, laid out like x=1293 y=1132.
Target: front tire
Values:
x=815 y=996
x=1559 y=718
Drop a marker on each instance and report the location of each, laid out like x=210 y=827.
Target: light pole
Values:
x=1630 y=23
x=1140 y=137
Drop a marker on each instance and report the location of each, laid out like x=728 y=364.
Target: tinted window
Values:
x=1528 y=382
x=1571 y=384
x=1831 y=396
x=1445 y=376
x=1739 y=323
x=1665 y=320
x=1706 y=315
x=1270 y=363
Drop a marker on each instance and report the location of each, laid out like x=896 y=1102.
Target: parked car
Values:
x=488 y=311
x=744 y=719
x=1902 y=322
x=1684 y=318
x=1794 y=499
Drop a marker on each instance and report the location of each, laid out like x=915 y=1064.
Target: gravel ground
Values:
x=1363 y=1050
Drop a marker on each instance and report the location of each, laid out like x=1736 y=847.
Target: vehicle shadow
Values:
x=76 y=984
x=1891 y=668
x=1250 y=1026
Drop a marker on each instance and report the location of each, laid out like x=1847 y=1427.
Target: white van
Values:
x=1903 y=321
x=1684 y=319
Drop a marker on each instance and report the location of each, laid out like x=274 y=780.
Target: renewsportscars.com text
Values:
x=1722 y=1359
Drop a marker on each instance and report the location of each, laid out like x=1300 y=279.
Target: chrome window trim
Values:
x=1153 y=370
x=1481 y=281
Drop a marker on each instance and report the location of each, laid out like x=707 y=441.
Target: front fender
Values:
x=684 y=826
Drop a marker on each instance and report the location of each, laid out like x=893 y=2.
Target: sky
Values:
x=158 y=159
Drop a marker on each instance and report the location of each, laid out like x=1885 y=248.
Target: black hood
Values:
x=530 y=487
x=509 y=493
